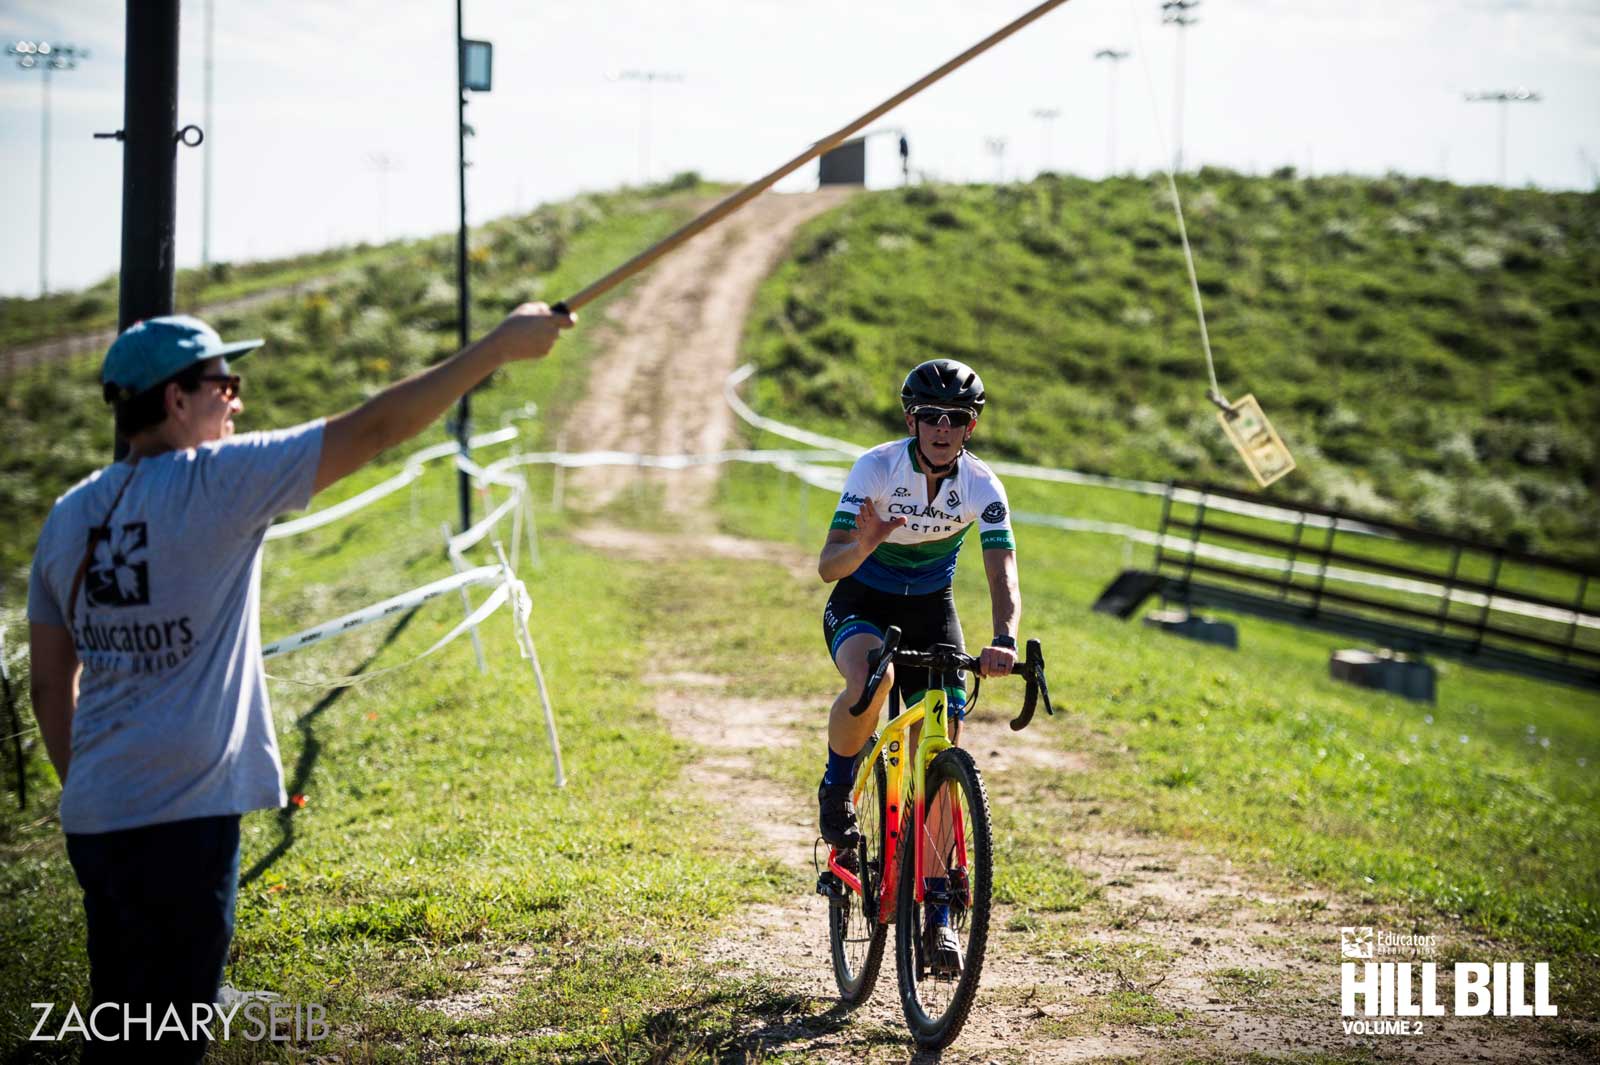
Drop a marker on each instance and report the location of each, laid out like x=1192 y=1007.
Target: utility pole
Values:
x=205 y=161
x=474 y=70
x=646 y=78
x=1176 y=13
x=45 y=57
x=1504 y=97
x=1047 y=117
x=996 y=146
x=1111 y=107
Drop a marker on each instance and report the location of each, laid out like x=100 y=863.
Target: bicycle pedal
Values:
x=832 y=888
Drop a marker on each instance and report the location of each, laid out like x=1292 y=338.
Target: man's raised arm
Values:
x=401 y=411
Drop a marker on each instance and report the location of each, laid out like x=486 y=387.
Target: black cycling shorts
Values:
x=924 y=620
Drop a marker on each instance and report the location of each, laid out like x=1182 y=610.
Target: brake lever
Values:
x=1033 y=670
x=879 y=661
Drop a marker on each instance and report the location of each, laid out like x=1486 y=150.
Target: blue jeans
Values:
x=159 y=901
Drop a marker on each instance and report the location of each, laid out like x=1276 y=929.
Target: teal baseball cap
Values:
x=148 y=352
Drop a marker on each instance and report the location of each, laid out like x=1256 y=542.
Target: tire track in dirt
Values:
x=657 y=387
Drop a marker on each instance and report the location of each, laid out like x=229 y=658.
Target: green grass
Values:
x=1428 y=352
x=27 y=321
x=1257 y=755
x=432 y=844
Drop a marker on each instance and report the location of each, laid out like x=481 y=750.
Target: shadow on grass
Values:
x=310 y=749
x=735 y=1027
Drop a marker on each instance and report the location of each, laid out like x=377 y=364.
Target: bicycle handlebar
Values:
x=943 y=658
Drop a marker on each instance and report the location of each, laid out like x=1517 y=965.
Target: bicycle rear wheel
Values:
x=855 y=935
x=956 y=849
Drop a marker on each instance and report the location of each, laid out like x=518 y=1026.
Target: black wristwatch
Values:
x=1008 y=642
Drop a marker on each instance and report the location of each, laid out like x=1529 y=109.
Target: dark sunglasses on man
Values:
x=955 y=417
x=232 y=384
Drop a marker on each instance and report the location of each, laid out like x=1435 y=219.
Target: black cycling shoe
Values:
x=942 y=949
x=837 y=816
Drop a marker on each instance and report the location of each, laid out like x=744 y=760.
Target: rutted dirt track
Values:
x=1222 y=961
x=655 y=388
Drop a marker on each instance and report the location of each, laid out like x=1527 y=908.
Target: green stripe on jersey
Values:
x=913 y=555
x=843 y=519
x=998 y=540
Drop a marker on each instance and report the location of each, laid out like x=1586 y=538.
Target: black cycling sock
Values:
x=840 y=769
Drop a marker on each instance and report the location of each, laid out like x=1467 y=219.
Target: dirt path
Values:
x=1181 y=956
x=656 y=388
x=1178 y=955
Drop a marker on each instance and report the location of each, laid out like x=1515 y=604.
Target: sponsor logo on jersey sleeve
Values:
x=994 y=513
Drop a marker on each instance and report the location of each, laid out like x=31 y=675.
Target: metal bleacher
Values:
x=1404 y=588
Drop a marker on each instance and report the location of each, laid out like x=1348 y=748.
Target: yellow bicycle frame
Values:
x=904 y=790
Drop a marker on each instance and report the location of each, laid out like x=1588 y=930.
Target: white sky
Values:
x=308 y=92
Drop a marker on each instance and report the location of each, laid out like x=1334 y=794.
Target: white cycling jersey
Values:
x=920 y=556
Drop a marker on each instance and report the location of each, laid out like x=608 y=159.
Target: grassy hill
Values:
x=432 y=852
x=385 y=316
x=1429 y=352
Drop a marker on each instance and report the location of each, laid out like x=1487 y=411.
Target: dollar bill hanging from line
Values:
x=1262 y=449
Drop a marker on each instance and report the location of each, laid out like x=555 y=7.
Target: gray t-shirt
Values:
x=172 y=719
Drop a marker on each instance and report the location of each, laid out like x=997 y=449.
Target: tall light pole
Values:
x=45 y=57
x=647 y=79
x=1176 y=13
x=1111 y=108
x=384 y=164
x=996 y=146
x=1047 y=117
x=1504 y=97
x=205 y=160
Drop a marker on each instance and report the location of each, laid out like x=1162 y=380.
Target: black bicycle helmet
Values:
x=943 y=383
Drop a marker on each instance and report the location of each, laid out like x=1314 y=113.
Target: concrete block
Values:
x=1193 y=627
x=1385 y=670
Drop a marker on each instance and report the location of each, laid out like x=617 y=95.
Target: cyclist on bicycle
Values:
x=892 y=546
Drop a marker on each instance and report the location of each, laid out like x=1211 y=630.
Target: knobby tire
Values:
x=855 y=936
x=936 y=1008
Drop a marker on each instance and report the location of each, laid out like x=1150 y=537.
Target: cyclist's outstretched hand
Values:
x=872 y=529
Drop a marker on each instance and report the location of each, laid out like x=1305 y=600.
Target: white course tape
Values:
x=494 y=474
x=572 y=459
x=329 y=515
x=413 y=470
x=1183 y=545
x=496 y=600
x=1051 y=474
x=379 y=611
x=465 y=541
x=450 y=447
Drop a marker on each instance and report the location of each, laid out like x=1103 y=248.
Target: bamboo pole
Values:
x=722 y=210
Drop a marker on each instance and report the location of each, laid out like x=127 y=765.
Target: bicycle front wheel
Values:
x=855 y=935
x=956 y=870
